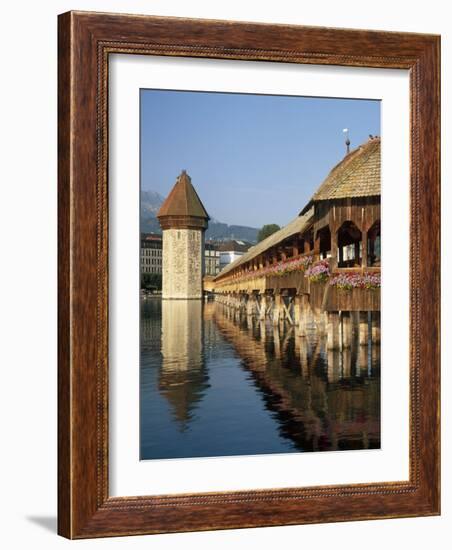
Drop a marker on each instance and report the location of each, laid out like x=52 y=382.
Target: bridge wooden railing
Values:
x=281 y=269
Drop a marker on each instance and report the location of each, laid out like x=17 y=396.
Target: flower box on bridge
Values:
x=295 y=282
x=356 y=299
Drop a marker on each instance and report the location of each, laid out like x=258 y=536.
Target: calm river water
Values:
x=216 y=384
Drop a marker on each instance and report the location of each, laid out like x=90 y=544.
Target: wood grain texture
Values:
x=85 y=42
x=64 y=296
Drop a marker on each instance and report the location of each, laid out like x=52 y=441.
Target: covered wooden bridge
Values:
x=323 y=268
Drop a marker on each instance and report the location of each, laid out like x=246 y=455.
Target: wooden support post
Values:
x=257 y=305
x=250 y=305
x=375 y=353
x=287 y=309
x=303 y=315
x=269 y=306
x=375 y=327
x=333 y=259
x=317 y=244
x=355 y=321
x=235 y=313
x=302 y=345
x=264 y=306
x=363 y=328
x=362 y=359
x=333 y=330
x=260 y=301
x=276 y=307
x=323 y=321
x=320 y=320
x=346 y=363
x=346 y=329
x=276 y=340
x=315 y=314
x=364 y=246
x=296 y=309
x=334 y=367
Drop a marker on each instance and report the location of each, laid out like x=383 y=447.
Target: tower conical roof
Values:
x=183 y=200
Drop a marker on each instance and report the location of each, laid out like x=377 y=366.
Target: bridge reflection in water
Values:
x=216 y=382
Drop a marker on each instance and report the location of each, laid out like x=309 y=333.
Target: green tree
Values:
x=266 y=231
x=151 y=281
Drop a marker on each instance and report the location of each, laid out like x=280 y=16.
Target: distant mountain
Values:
x=223 y=232
x=151 y=202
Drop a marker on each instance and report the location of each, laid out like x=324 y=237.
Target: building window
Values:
x=349 y=245
x=324 y=236
x=374 y=245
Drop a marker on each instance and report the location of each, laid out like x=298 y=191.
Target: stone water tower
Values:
x=183 y=220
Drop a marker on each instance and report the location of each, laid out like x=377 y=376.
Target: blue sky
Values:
x=253 y=159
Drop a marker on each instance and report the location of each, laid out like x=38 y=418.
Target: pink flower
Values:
x=318 y=272
x=348 y=281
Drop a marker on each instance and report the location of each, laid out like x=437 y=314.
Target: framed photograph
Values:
x=248 y=275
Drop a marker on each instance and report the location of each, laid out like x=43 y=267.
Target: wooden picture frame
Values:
x=86 y=40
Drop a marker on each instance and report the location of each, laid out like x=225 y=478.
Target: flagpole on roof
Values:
x=347 y=140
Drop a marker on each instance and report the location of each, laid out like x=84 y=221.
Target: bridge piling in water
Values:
x=262 y=307
x=375 y=326
x=363 y=328
x=333 y=341
x=305 y=312
x=249 y=301
x=346 y=326
x=276 y=307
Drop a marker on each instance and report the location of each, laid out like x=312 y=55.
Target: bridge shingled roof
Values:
x=298 y=225
x=356 y=175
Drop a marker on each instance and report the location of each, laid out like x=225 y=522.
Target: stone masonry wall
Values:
x=182 y=263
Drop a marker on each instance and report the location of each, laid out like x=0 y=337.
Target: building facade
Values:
x=231 y=251
x=211 y=259
x=151 y=253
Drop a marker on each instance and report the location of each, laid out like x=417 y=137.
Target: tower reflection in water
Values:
x=215 y=382
x=182 y=378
